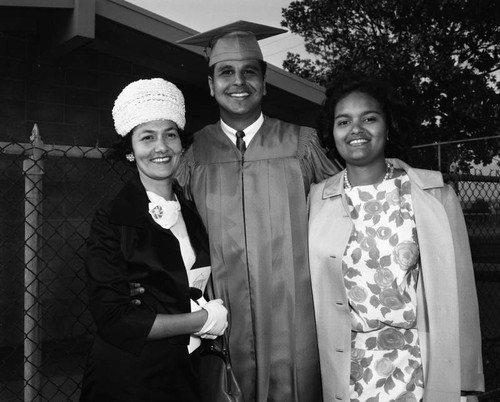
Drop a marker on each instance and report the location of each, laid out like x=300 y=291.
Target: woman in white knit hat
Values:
x=150 y=234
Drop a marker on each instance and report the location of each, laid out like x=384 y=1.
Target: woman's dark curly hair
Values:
x=123 y=146
x=396 y=112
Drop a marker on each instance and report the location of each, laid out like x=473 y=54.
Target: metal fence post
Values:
x=33 y=171
x=439 y=157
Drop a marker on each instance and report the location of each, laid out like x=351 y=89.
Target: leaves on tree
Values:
x=443 y=56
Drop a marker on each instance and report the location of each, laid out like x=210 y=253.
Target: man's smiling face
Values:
x=238 y=86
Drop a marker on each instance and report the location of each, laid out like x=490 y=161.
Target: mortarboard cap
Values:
x=235 y=41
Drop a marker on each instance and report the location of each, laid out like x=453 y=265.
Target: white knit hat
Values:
x=147 y=100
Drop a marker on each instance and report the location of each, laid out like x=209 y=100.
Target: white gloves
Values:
x=216 y=322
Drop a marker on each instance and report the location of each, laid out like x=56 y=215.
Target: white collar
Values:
x=250 y=131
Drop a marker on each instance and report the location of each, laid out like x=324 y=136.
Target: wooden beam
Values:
x=291 y=83
x=67 y=31
x=38 y=3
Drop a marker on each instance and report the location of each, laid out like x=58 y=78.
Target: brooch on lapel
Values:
x=165 y=213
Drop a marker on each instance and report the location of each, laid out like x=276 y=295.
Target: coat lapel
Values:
x=195 y=228
x=131 y=209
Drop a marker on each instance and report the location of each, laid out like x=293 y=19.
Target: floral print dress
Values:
x=380 y=267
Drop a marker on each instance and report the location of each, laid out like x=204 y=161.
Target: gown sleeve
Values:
x=184 y=172
x=314 y=163
x=118 y=321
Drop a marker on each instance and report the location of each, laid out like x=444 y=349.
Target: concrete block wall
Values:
x=71 y=100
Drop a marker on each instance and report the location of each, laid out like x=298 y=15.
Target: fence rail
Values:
x=48 y=197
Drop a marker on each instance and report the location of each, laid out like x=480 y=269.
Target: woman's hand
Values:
x=216 y=322
x=135 y=290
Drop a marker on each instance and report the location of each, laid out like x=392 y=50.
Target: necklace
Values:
x=389 y=172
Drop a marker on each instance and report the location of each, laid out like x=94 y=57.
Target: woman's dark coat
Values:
x=125 y=245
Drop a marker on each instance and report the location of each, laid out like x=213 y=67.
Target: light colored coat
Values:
x=448 y=314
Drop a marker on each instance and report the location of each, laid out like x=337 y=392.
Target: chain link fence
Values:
x=479 y=195
x=48 y=197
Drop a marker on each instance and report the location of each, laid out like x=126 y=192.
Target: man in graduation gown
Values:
x=253 y=203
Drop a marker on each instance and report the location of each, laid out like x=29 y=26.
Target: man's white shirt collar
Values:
x=250 y=131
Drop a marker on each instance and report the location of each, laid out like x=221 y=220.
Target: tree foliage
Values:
x=442 y=55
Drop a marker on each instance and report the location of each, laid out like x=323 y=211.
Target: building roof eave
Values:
x=170 y=31
x=66 y=25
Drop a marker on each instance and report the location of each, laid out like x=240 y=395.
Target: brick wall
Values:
x=71 y=99
x=71 y=102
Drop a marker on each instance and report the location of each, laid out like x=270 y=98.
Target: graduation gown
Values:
x=254 y=208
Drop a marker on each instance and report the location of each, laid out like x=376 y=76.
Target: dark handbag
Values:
x=218 y=383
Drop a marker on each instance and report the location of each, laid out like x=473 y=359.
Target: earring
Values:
x=130 y=157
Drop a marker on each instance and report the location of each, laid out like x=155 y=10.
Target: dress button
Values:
x=339 y=350
x=338 y=397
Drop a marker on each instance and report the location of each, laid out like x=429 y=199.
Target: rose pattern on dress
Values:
x=392 y=197
x=383 y=277
x=357 y=354
x=406 y=254
x=390 y=338
x=372 y=207
x=357 y=294
x=406 y=397
x=384 y=367
x=392 y=299
x=381 y=268
x=356 y=372
x=384 y=232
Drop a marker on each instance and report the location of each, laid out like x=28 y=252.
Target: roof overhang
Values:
x=125 y=30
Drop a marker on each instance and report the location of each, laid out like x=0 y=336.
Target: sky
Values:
x=202 y=15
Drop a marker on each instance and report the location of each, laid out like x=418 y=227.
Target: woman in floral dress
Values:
x=393 y=284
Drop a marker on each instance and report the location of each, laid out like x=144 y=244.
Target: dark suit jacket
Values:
x=126 y=245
